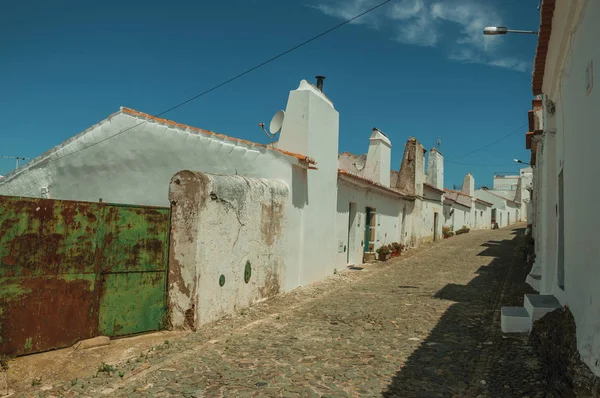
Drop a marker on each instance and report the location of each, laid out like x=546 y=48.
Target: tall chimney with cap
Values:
x=377 y=167
x=320 y=82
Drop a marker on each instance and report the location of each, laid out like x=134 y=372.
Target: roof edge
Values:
x=182 y=126
x=357 y=178
x=541 y=52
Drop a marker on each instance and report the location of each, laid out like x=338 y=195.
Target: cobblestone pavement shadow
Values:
x=466 y=354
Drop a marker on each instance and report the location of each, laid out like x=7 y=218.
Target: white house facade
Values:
x=563 y=140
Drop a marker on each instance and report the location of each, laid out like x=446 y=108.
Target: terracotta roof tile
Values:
x=433 y=187
x=171 y=123
x=547 y=12
x=376 y=184
x=457 y=192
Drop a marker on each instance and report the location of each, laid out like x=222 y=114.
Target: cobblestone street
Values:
x=422 y=325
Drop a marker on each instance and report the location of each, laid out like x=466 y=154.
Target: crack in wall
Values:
x=229 y=205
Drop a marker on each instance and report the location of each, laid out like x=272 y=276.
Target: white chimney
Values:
x=435 y=169
x=468 y=186
x=379 y=158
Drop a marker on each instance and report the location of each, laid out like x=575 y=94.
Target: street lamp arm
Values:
x=502 y=30
x=527 y=32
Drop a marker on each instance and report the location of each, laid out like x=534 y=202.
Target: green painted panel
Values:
x=135 y=239
x=47 y=237
x=132 y=303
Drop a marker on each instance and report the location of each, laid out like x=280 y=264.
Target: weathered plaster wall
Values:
x=410 y=181
x=219 y=225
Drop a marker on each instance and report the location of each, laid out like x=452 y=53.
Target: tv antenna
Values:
x=275 y=125
x=439 y=143
x=17 y=158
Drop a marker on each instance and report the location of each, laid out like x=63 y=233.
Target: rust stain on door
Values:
x=47 y=274
x=55 y=260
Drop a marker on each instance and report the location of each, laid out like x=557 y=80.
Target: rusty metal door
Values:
x=134 y=269
x=48 y=281
x=74 y=270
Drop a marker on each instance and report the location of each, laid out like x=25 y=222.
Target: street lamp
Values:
x=502 y=30
x=522 y=162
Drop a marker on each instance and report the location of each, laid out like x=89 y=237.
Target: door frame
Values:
x=351 y=252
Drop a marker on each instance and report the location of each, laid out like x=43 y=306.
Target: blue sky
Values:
x=413 y=67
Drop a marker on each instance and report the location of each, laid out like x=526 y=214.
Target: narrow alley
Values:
x=422 y=325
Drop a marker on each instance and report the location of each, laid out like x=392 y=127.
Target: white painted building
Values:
x=370 y=213
x=337 y=206
x=505 y=211
x=563 y=139
x=464 y=209
x=508 y=186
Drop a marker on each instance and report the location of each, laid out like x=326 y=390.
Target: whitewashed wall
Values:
x=431 y=204
x=459 y=217
x=506 y=211
x=136 y=166
x=311 y=127
x=484 y=216
x=388 y=221
x=577 y=141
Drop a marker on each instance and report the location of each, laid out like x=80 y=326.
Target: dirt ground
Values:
x=67 y=364
x=422 y=325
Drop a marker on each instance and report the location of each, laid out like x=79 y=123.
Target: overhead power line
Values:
x=480 y=165
x=490 y=144
x=247 y=71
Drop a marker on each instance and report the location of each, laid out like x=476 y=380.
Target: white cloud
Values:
x=349 y=9
x=455 y=25
x=472 y=57
x=510 y=63
x=420 y=32
x=406 y=9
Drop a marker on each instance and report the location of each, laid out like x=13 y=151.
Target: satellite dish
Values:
x=277 y=122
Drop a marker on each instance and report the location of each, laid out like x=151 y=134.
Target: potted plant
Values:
x=463 y=230
x=397 y=249
x=383 y=253
x=393 y=252
x=446 y=232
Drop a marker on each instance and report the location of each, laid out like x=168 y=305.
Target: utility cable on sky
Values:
x=488 y=145
x=268 y=61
